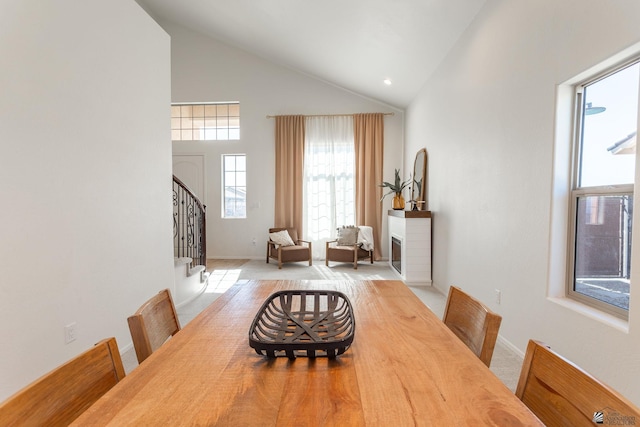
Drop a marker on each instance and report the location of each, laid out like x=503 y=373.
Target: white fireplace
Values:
x=410 y=245
x=396 y=253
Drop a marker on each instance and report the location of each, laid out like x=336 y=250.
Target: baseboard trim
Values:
x=510 y=346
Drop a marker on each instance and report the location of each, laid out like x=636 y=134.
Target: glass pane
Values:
x=210 y=110
x=603 y=248
x=209 y=133
x=198 y=124
x=241 y=163
x=175 y=111
x=222 y=110
x=234 y=110
x=198 y=111
x=175 y=123
x=185 y=110
x=610 y=116
x=223 y=134
x=234 y=133
x=229 y=163
x=185 y=123
x=229 y=179
x=175 y=135
x=228 y=202
x=186 y=135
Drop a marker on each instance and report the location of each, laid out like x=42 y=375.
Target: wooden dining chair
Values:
x=153 y=324
x=562 y=394
x=472 y=322
x=60 y=396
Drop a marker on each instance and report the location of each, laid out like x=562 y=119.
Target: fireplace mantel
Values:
x=413 y=230
x=409 y=214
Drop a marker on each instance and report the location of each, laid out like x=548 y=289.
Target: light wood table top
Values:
x=404 y=368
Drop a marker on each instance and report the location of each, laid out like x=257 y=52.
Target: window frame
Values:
x=575 y=191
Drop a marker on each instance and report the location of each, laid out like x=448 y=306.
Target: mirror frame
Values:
x=420 y=194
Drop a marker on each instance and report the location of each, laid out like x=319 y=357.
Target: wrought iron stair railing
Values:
x=189 y=225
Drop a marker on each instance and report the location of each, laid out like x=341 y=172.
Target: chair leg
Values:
x=355 y=258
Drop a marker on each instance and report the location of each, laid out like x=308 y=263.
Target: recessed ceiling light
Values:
x=387 y=82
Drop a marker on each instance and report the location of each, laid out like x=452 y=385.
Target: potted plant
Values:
x=396 y=188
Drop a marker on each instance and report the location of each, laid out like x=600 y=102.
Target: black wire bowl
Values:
x=303 y=323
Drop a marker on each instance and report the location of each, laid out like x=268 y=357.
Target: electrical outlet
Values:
x=70 y=333
x=498 y=296
x=254 y=242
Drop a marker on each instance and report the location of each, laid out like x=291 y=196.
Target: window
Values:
x=329 y=178
x=603 y=188
x=234 y=186
x=205 y=122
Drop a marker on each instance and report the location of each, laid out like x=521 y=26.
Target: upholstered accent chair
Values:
x=352 y=244
x=285 y=246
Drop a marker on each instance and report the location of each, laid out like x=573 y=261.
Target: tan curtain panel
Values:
x=369 y=148
x=289 y=171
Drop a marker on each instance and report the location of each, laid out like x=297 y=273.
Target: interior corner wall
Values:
x=85 y=177
x=486 y=118
x=206 y=70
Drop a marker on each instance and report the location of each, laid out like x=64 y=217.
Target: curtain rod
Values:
x=327 y=115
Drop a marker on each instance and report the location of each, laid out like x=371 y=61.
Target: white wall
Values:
x=207 y=70
x=487 y=120
x=85 y=177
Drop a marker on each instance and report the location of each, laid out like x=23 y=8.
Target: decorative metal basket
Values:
x=303 y=323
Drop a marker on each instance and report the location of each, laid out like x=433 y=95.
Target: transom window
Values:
x=603 y=189
x=205 y=122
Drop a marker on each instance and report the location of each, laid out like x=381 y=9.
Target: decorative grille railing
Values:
x=189 y=225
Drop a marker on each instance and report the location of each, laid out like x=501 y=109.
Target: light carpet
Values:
x=259 y=269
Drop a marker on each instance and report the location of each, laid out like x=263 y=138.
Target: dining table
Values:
x=403 y=368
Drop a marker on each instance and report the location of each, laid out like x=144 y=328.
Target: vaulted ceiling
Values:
x=354 y=44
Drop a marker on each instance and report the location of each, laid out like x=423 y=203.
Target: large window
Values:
x=234 y=186
x=329 y=178
x=205 y=122
x=603 y=189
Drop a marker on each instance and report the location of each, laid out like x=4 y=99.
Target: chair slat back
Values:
x=60 y=396
x=153 y=324
x=472 y=322
x=562 y=394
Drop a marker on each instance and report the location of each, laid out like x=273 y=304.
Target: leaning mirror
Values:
x=419 y=187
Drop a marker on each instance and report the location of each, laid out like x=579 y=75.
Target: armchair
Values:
x=284 y=246
x=352 y=244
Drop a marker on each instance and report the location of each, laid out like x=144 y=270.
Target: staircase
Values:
x=189 y=243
